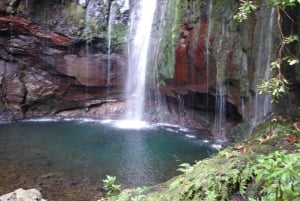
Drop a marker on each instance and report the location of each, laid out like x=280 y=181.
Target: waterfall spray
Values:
x=140 y=32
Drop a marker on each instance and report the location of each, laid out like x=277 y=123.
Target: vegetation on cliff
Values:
x=277 y=85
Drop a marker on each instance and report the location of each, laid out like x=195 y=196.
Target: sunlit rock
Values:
x=21 y=194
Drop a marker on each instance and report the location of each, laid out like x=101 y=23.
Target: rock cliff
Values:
x=50 y=60
x=56 y=59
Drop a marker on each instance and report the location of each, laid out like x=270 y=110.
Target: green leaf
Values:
x=184 y=167
x=292 y=61
x=290 y=39
x=245 y=9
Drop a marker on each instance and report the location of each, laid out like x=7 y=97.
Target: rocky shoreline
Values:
x=53 y=186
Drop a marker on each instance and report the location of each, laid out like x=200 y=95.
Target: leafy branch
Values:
x=245 y=9
x=283 y=3
x=277 y=85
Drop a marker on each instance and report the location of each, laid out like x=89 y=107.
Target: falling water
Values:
x=264 y=54
x=111 y=20
x=86 y=22
x=87 y=19
x=140 y=31
x=220 y=117
x=207 y=46
x=157 y=109
x=244 y=85
x=220 y=114
x=124 y=5
x=266 y=104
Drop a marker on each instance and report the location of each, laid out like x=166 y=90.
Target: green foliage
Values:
x=185 y=167
x=262 y=171
x=173 y=19
x=213 y=182
x=118 y=35
x=75 y=13
x=110 y=185
x=291 y=39
x=92 y=29
x=245 y=9
x=275 y=86
x=208 y=181
x=139 y=198
x=283 y=3
x=279 y=172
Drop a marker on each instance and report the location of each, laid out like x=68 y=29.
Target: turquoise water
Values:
x=95 y=149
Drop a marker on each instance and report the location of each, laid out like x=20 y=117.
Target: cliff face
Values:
x=219 y=62
x=54 y=58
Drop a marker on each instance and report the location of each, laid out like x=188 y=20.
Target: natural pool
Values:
x=33 y=153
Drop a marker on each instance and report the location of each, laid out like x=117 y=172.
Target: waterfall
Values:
x=87 y=19
x=157 y=105
x=266 y=105
x=140 y=31
x=244 y=85
x=207 y=46
x=86 y=26
x=220 y=104
x=262 y=65
x=124 y=5
x=111 y=19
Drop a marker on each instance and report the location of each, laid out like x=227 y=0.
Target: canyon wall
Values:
x=56 y=59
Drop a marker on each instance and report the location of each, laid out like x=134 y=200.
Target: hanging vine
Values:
x=277 y=85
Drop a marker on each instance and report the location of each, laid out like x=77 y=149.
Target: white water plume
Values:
x=140 y=32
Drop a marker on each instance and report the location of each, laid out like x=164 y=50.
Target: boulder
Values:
x=93 y=70
x=23 y=195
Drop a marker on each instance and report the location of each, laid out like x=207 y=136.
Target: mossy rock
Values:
x=75 y=13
